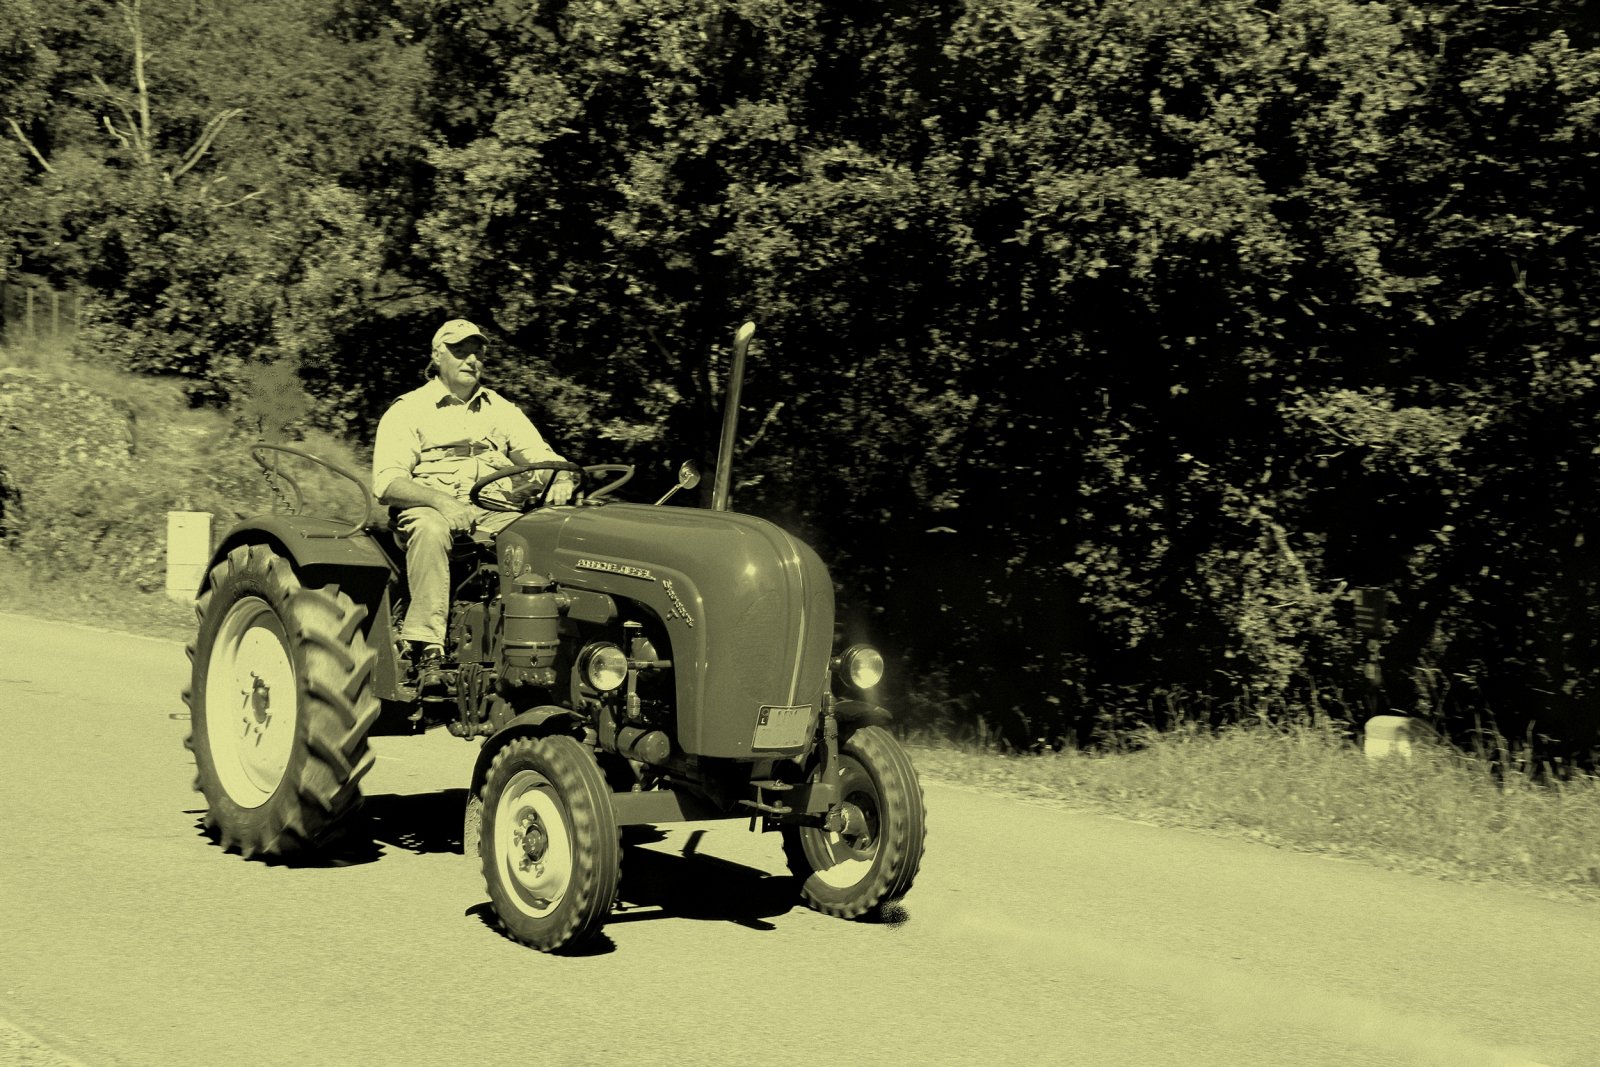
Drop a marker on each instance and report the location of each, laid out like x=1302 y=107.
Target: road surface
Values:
x=1034 y=936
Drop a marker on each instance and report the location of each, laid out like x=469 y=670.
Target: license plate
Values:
x=783 y=727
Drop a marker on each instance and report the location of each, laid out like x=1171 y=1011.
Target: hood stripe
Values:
x=795 y=564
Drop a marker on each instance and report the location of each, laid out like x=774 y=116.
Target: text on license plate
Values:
x=783 y=727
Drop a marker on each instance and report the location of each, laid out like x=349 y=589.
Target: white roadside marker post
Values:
x=1388 y=735
x=188 y=551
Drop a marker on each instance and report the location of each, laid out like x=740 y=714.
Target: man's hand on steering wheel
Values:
x=565 y=478
x=562 y=486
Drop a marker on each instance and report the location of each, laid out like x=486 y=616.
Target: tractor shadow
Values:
x=655 y=884
x=688 y=885
x=681 y=885
x=422 y=823
x=597 y=945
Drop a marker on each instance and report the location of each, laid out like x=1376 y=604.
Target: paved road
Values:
x=1035 y=935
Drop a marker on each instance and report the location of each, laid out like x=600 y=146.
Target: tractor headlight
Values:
x=604 y=666
x=861 y=666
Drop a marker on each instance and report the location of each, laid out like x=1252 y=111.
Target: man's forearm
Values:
x=409 y=493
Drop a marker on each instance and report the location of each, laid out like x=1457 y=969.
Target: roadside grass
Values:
x=97 y=558
x=1485 y=816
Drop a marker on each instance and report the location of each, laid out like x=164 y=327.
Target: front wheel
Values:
x=551 y=853
x=872 y=861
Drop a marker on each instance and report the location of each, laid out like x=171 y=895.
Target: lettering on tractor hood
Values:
x=614 y=568
x=679 y=610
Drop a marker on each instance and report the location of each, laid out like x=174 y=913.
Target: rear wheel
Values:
x=280 y=703
x=873 y=859
x=549 y=845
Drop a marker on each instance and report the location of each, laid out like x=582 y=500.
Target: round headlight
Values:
x=605 y=667
x=862 y=666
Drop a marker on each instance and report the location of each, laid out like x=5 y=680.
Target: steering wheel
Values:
x=594 y=470
x=522 y=468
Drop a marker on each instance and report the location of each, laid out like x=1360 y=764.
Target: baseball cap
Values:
x=454 y=331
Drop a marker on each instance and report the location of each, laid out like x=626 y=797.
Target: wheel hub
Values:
x=847 y=846
x=260 y=694
x=530 y=836
x=532 y=843
x=851 y=824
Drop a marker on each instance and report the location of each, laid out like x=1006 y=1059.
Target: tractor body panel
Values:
x=747 y=607
x=309 y=541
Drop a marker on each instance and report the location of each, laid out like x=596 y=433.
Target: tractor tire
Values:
x=280 y=703
x=551 y=852
x=858 y=873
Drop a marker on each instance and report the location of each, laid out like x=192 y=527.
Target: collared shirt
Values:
x=432 y=417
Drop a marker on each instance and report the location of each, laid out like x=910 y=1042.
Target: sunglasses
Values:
x=472 y=346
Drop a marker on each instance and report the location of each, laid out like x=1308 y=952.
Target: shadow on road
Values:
x=417 y=822
x=656 y=884
x=598 y=945
x=423 y=823
x=688 y=885
x=347 y=850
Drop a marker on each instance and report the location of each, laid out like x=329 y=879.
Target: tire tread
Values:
x=596 y=842
x=901 y=840
x=337 y=708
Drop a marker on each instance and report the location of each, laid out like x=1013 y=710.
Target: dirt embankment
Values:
x=55 y=431
x=69 y=472
x=92 y=462
x=89 y=470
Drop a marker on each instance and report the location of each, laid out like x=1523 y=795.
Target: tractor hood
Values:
x=747 y=607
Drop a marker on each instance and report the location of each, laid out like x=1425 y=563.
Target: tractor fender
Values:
x=535 y=722
x=853 y=713
x=543 y=721
x=308 y=542
x=324 y=551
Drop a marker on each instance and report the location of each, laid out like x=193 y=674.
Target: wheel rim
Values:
x=847 y=856
x=531 y=844
x=252 y=703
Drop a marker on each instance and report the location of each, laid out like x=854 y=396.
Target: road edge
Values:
x=21 y=1046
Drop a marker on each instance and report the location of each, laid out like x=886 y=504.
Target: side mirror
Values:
x=688 y=478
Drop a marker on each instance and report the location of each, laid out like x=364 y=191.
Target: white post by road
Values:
x=1388 y=735
x=188 y=552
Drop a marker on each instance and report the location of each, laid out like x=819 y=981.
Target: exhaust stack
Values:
x=730 y=418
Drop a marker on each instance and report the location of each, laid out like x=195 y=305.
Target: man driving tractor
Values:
x=432 y=444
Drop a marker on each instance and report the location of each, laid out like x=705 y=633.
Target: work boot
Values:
x=430 y=669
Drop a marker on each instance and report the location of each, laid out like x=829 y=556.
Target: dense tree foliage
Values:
x=1106 y=346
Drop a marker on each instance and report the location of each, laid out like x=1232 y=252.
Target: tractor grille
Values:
x=762 y=648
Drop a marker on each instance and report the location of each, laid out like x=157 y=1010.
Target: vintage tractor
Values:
x=623 y=664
